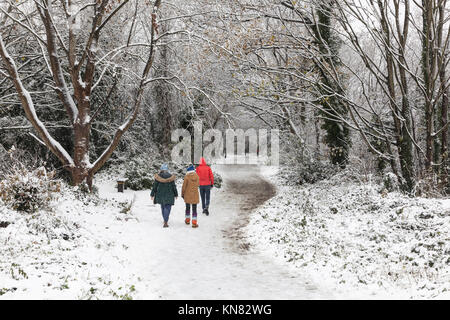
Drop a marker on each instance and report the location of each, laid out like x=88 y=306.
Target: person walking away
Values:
x=164 y=192
x=206 y=183
x=189 y=192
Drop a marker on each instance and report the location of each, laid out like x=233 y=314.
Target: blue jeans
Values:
x=205 y=194
x=165 y=210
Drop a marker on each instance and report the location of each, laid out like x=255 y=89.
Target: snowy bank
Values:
x=65 y=252
x=356 y=241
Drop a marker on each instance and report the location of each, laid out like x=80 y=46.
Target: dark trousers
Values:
x=194 y=211
x=165 y=210
x=205 y=194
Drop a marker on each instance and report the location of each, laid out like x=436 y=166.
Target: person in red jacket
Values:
x=206 y=183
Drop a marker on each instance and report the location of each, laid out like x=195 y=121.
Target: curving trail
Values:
x=212 y=261
x=250 y=190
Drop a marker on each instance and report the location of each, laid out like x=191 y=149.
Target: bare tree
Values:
x=73 y=62
x=435 y=60
x=392 y=28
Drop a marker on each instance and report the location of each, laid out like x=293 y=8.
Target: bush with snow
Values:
x=300 y=166
x=308 y=171
x=29 y=190
x=431 y=186
x=390 y=182
x=217 y=180
x=140 y=174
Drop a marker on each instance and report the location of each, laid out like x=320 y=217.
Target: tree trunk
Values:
x=334 y=109
x=81 y=153
x=427 y=63
x=443 y=90
x=401 y=117
x=444 y=157
x=163 y=102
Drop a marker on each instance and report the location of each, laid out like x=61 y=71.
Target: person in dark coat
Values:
x=164 y=192
x=206 y=183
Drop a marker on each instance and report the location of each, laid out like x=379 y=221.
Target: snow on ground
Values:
x=66 y=253
x=334 y=239
x=355 y=241
x=109 y=254
x=185 y=263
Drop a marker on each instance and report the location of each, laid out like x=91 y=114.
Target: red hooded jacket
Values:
x=205 y=173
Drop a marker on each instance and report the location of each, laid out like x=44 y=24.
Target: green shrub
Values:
x=308 y=171
x=390 y=182
x=29 y=190
x=217 y=180
x=140 y=174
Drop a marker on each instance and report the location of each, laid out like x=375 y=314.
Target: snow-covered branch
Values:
x=30 y=111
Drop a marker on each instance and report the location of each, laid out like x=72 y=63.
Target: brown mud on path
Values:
x=251 y=190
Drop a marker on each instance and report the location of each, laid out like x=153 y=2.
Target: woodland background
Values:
x=350 y=83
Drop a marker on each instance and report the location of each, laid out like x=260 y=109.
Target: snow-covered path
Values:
x=210 y=262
